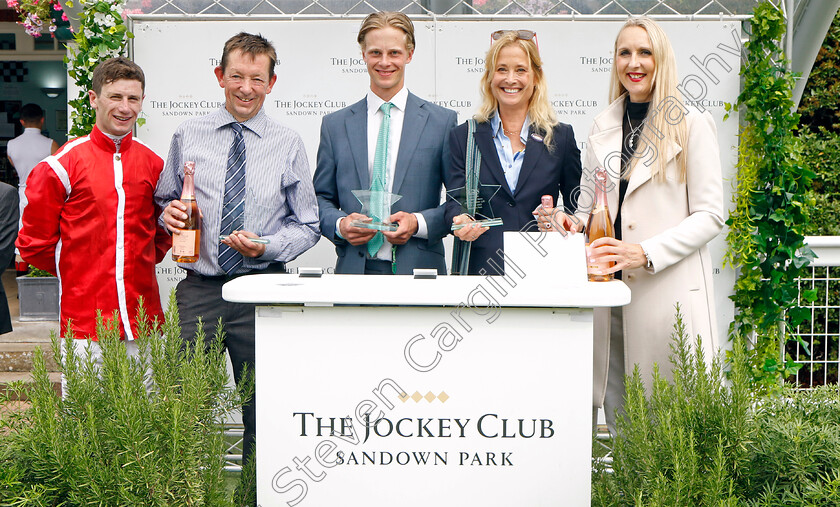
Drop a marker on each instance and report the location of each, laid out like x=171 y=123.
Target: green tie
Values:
x=379 y=184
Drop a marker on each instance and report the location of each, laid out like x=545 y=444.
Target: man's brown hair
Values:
x=396 y=20
x=114 y=69
x=250 y=44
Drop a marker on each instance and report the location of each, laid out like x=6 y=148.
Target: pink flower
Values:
x=57 y=6
x=32 y=30
x=126 y=12
x=12 y=3
x=64 y=17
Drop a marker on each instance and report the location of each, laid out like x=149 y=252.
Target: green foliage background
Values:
x=820 y=134
x=821 y=98
x=820 y=138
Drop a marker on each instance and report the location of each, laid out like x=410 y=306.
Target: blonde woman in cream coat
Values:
x=671 y=208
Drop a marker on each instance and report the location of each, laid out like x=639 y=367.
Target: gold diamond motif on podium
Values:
x=429 y=397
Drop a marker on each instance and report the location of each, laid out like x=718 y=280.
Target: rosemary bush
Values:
x=685 y=444
x=705 y=440
x=108 y=442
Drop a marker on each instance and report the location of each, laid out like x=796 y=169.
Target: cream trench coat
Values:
x=673 y=221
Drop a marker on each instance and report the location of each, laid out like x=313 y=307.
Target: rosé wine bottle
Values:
x=185 y=245
x=599 y=225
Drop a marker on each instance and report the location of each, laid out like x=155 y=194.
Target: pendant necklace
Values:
x=634 y=132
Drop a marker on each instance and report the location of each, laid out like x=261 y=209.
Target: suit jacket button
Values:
x=511 y=204
x=631 y=226
x=630 y=277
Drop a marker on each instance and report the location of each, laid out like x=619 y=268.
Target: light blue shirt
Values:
x=511 y=162
x=280 y=202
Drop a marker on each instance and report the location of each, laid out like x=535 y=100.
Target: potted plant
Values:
x=38 y=294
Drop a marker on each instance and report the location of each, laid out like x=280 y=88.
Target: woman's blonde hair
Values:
x=660 y=127
x=539 y=109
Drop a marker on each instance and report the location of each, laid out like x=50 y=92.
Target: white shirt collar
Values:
x=374 y=102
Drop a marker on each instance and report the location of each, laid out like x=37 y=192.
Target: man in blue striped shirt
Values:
x=276 y=201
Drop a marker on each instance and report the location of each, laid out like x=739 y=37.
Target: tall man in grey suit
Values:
x=415 y=163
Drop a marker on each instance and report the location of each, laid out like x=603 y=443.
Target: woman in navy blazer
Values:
x=525 y=152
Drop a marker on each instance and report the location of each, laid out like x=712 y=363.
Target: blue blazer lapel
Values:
x=489 y=157
x=414 y=122
x=356 y=125
x=534 y=150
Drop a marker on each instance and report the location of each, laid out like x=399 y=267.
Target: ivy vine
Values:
x=102 y=34
x=766 y=228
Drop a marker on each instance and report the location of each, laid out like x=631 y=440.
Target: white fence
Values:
x=822 y=331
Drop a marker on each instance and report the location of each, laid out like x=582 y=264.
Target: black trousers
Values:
x=200 y=296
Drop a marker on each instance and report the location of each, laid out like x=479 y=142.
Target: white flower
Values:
x=103 y=20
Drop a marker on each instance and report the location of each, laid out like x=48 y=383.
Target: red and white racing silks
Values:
x=92 y=221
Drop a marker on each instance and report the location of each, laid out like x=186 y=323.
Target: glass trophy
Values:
x=476 y=204
x=377 y=205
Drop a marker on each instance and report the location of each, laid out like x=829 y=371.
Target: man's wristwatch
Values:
x=647 y=256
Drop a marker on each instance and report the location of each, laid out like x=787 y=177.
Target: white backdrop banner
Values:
x=320 y=70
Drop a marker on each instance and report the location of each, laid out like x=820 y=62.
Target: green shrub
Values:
x=38 y=273
x=796 y=460
x=108 y=442
x=685 y=444
x=703 y=440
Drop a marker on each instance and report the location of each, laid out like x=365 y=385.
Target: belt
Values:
x=274 y=267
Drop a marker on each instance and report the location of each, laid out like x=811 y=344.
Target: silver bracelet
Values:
x=647 y=256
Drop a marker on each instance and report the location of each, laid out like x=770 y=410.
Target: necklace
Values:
x=634 y=132
x=508 y=132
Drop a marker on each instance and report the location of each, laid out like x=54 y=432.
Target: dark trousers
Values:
x=377 y=267
x=614 y=396
x=202 y=297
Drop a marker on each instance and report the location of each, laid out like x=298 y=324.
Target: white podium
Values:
x=391 y=390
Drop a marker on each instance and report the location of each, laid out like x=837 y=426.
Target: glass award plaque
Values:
x=476 y=204
x=377 y=205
